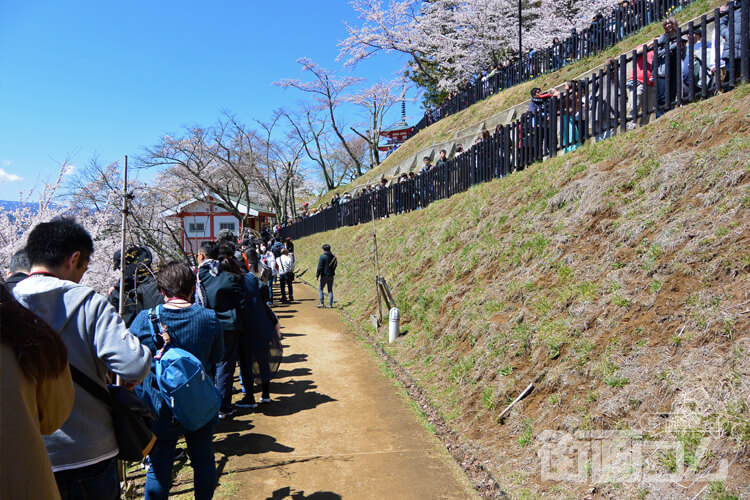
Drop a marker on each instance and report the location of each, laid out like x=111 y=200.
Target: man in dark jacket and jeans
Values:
x=222 y=291
x=326 y=271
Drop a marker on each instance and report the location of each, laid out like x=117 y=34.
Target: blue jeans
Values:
x=200 y=449
x=225 y=369
x=270 y=286
x=661 y=95
x=100 y=481
x=326 y=281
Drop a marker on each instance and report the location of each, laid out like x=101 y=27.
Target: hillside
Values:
x=447 y=127
x=615 y=278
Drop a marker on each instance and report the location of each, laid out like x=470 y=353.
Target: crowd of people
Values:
x=603 y=31
x=58 y=437
x=679 y=67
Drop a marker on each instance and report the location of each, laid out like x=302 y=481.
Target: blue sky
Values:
x=107 y=78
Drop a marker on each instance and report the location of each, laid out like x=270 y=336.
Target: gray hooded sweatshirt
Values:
x=97 y=341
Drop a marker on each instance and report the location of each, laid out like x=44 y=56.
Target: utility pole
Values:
x=123 y=230
x=520 y=19
x=126 y=485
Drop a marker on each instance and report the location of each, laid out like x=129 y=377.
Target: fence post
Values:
x=745 y=39
x=678 y=61
x=552 y=125
x=622 y=114
x=730 y=44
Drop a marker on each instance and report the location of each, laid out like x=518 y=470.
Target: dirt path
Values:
x=336 y=428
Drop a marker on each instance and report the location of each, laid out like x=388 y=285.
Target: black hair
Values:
x=50 y=243
x=39 y=350
x=230 y=265
x=252 y=259
x=225 y=249
x=176 y=279
x=20 y=262
x=326 y=247
x=211 y=249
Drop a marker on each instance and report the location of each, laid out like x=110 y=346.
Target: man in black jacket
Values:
x=326 y=271
x=18 y=269
x=141 y=291
x=222 y=291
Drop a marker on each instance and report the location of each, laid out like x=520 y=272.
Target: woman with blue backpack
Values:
x=187 y=340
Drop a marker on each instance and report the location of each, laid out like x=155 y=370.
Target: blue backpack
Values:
x=183 y=382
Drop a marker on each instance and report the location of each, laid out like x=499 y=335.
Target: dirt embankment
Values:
x=616 y=279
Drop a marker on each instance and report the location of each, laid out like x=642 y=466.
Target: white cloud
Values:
x=6 y=177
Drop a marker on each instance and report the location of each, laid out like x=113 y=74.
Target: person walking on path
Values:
x=197 y=330
x=326 y=271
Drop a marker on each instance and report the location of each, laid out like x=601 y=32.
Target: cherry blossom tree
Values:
x=377 y=100
x=560 y=17
x=449 y=42
x=279 y=160
x=15 y=226
x=219 y=159
x=328 y=92
x=310 y=127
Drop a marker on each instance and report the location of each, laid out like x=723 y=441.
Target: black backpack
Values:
x=141 y=291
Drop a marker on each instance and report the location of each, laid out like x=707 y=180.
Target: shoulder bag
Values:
x=131 y=417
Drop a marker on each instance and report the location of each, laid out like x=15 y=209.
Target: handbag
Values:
x=131 y=417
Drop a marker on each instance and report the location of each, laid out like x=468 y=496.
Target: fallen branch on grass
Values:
x=525 y=393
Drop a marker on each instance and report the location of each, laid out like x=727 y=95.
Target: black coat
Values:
x=257 y=322
x=225 y=296
x=326 y=265
x=145 y=296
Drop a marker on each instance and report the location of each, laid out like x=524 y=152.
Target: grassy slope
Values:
x=447 y=127
x=616 y=278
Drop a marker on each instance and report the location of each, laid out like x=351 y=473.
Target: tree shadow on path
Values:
x=301 y=397
x=296 y=372
x=287 y=492
x=238 y=444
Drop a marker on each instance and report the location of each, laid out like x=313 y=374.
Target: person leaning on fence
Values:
x=726 y=57
x=539 y=110
x=37 y=395
x=198 y=331
x=643 y=73
x=569 y=111
x=700 y=64
x=666 y=47
x=606 y=116
x=83 y=452
x=327 y=264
